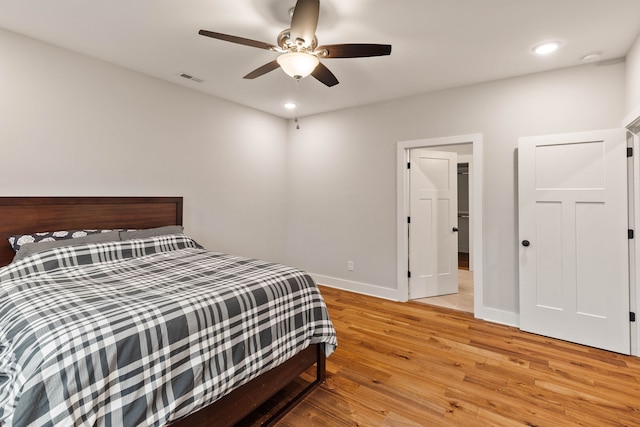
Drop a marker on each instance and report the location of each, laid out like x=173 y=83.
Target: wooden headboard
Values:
x=24 y=215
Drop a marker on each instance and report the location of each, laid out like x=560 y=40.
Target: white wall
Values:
x=71 y=125
x=633 y=79
x=342 y=189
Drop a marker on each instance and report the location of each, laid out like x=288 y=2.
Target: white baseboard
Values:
x=359 y=287
x=488 y=314
x=498 y=316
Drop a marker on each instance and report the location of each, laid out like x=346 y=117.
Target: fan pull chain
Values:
x=295 y=120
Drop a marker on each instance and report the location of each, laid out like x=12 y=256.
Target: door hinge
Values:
x=632 y=316
x=409 y=165
x=629 y=151
x=408 y=220
x=409 y=274
x=630 y=234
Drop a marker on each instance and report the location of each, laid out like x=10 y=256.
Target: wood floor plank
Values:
x=407 y=364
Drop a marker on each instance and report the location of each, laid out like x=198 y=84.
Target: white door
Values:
x=433 y=242
x=574 y=282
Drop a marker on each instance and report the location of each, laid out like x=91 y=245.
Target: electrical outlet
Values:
x=350 y=265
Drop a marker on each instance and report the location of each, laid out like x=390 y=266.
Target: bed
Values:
x=220 y=408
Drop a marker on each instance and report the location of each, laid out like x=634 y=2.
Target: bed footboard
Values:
x=233 y=407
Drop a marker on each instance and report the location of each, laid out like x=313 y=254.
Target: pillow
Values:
x=18 y=240
x=35 y=247
x=151 y=232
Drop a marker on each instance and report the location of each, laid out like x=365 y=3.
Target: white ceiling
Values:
x=437 y=44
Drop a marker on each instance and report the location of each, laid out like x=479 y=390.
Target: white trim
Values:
x=632 y=123
x=500 y=316
x=358 y=287
x=634 y=250
x=633 y=118
x=402 y=148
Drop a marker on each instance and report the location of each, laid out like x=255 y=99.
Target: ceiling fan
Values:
x=299 y=47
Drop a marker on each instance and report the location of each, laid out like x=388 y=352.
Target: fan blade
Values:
x=266 y=68
x=324 y=75
x=238 y=40
x=305 y=20
x=353 y=50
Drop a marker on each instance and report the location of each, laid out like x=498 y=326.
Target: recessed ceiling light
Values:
x=592 y=57
x=290 y=105
x=547 y=47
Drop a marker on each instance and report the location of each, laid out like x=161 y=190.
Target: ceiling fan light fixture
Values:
x=298 y=64
x=298 y=46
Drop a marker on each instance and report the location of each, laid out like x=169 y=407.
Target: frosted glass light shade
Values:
x=297 y=64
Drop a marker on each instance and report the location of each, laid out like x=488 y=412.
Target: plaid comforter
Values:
x=144 y=332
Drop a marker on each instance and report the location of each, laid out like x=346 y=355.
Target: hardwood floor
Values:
x=406 y=364
x=463 y=260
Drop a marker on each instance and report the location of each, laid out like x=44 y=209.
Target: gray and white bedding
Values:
x=145 y=331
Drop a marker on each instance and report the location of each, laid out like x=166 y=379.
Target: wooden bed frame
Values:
x=22 y=215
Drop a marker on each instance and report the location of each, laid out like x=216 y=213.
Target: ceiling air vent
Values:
x=190 y=77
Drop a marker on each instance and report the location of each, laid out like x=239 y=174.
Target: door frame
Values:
x=402 y=210
x=632 y=124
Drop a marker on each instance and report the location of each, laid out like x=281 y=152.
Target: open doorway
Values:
x=469 y=149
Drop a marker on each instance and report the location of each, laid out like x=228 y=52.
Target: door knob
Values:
x=525 y=243
x=454 y=229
